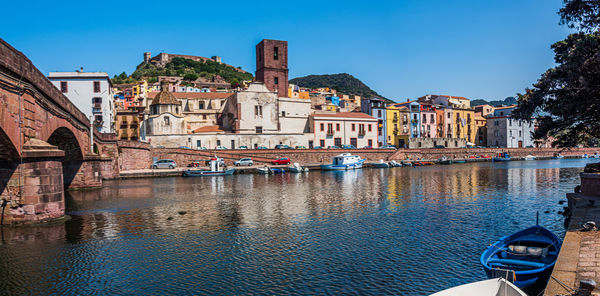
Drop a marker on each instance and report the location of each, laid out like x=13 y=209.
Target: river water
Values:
x=401 y=231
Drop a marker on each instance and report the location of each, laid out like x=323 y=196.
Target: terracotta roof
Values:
x=505 y=107
x=164 y=97
x=454 y=97
x=208 y=129
x=195 y=95
x=345 y=115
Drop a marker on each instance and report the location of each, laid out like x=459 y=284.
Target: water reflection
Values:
x=359 y=232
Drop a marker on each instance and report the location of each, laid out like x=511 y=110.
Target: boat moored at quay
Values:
x=343 y=162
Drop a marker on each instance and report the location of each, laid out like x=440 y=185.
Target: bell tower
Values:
x=272 y=65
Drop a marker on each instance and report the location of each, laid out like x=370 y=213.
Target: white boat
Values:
x=493 y=287
x=381 y=164
x=394 y=163
x=297 y=168
x=215 y=169
x=558 y=156
x=344 y=161
x=529 y=157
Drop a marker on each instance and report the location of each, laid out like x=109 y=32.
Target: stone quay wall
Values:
x=135 y=155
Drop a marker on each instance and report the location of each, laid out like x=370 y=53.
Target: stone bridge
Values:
x=45 y=144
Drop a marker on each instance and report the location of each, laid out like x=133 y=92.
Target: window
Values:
x=370 y=129
x=496 y=123
x=257 y=110
x=370 y=142
x=64 y=86
x=337 y=142
x=432 y=118
x=330 y=128
x=510 y=133
x=378 y=113
x=322 y=127
x=258 y=129
x=201 y=105
x=520 y=123
x=353 y=127
x=496 y=133
x=520 y=134
x=322 y=143
x=424 y=118
x=167 y=122
x=218 y=142
x=353 y=142
x=276 y=80
x=282 y=113
x=204 y=117
x=509 y=122
x=501 y=113
x=97 y=100
x=449 y=116
x=275 y=53
x=198 y=143
x=337 y=127
x=96 y=86
x=98 y=118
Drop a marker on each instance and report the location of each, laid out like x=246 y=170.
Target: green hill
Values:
x=343 y=83
x=190 y=70
x=507 y=101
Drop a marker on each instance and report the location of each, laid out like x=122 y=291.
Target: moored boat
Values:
x=267 y=170
x=503 y=156
x=530 y=253
x=529 y=157
x=492 y=287
x=460 y=161
x=444 y=160
x=344 y=161
x=557 y=156
x=297 y=168
x=381 y=164
x=394 y=163
x=215 y=169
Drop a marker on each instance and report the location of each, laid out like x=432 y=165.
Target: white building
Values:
x=509 y=132
x=344 y=128
x=92 y=93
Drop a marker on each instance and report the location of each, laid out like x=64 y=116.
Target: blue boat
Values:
x=344 y=161
x=503 y=156
x=530 y=254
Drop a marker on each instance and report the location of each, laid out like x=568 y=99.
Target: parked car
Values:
x=243 y=147
x=317 y=147
x=184 y=147
x=202 y=148
x=164 y=164
x=348 y=147
x=281 y=160
x=388 y=147
x=301 y=147
x=367 y=147
x=244 y=161
x=221 y=148
x=261 y=147
x=333 y=147
x=282 y=146
x=439 y=146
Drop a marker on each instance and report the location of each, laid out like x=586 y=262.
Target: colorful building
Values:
x=414 y=109
x=428 y=121
x=481 y=126
x=344 y=128
x=463 y=125
x=397 y=125
x=377 y=108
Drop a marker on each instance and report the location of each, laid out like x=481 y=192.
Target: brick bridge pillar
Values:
x=33 y=187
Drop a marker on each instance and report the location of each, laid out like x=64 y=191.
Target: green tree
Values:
x=190 y=76
x=568 y=95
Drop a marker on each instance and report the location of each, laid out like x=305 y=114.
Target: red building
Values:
x=272 y=65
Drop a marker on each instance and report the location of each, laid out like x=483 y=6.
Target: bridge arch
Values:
x=8 y=151
x=65 y=140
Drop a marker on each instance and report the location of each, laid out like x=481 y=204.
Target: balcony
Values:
x=361 y=133
x=98 y=123
x=96 y=110
x=330 y=133
x=395 y=119
x=97 y=106
x=396 y=132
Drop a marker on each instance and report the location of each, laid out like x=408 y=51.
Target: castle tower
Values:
x=272 y=65
x=147 y=57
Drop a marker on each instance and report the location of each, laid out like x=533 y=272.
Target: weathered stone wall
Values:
x=134 y=155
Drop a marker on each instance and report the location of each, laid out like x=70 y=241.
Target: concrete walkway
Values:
x=579 y=257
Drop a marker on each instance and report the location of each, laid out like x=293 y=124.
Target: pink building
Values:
x=428 y=121
x=344 y=128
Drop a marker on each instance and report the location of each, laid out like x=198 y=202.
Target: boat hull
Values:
x=498 y=286
x=530 y=271
x=496 y=159
x=190 y=173
x=380 y=165
x=342 y=167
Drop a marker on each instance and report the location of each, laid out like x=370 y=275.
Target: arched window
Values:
x=167 y=120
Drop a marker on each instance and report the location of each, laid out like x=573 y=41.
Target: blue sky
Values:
x=402 y=49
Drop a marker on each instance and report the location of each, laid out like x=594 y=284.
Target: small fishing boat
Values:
x=503 y=156
x=267 y=170
x=395 y=164
x=585 y=156
x=493 y=287
x=344 y=161
x=558 y=156
x=460 y=161
x=215 y=169
x=406 y=163
x=529 y=157
x=530 y=253
x=444 y=160
x=422 y=163
x=297 y=168
x=381 y=164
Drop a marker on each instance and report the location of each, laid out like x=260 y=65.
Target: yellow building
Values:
x=127 y=125
x=397 y=121
x=463 y=124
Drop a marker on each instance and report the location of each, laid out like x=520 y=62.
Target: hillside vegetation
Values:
x=190 y=70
